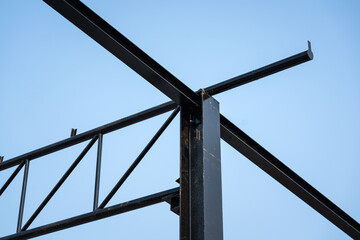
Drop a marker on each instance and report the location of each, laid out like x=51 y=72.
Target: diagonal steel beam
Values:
x=288 y=178
x=108 y=37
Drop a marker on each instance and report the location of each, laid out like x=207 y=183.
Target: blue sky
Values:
x=53 y=78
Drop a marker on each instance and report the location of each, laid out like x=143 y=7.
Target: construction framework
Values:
x=198 y=200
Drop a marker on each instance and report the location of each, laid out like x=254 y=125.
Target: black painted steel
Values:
x=139 y=158
x=60 y=182
x=160 y=109
x=23 y=194
x=200 y=173
x=174 y=202
x=288 y=178
x=124 y=122
x=108 y=37
x=184 y=192
x=200 y=196
x=97 y=172
x=218 y=88
x=95 y=215
x=210 y=175
x=73 y=132
x=12 y=176
x=262 y=72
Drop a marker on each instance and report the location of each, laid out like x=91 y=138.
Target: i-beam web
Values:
x=198 y=200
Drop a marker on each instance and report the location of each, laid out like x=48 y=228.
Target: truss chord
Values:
x=139 y=158
x=60 y=182
x=288 y=178
x=107 y=128
x=23 y=194
x=11 y=178
x=95 y=215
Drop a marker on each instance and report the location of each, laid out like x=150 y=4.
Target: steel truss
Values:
x=198 y=200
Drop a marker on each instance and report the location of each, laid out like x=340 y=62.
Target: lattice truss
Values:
x=198 y=200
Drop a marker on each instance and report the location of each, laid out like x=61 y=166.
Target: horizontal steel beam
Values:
x=157 y=110
x=95 y=215
x=284 y=175
x=113 y=41
x=262 y=72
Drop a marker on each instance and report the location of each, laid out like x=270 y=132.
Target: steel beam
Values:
x=108 y=37
x=160 y=109
x=95 y=215
x=198 y=201
x=113 y=41
x=262 y=72
x=200 y=173
x=288 y=178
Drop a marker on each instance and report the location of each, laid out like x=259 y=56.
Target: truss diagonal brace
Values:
x=11 y=178
x=59 y=183
x=139 y=158
x=284 y=175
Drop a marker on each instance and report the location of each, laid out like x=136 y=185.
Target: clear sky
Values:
x=53 y=78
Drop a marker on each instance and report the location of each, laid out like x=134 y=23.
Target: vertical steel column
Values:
x=97 y=176
x=23 y=192
x=184 y=175
x=200 y=173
